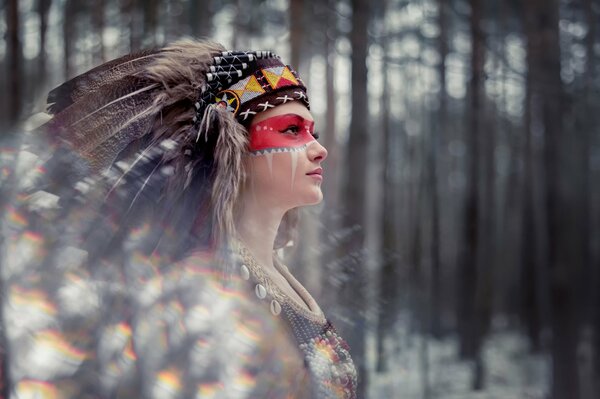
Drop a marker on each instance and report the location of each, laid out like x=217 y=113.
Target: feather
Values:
x=101 y=76
x=101 y=132
x=103 y=111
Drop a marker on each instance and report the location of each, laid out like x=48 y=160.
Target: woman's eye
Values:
x=291 y=130
x=316 y=135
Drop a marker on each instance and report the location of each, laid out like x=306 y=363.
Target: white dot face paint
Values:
x=281 y=133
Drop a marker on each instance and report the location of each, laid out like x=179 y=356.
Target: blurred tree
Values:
x=388 y=273
x=15 y=61
x=534 y=278
x=352 y=293
x=151 y=24
x=331 y=185
x=43 y=6
x=98 y=23
x=592 y=175
x=440 y=126
x=130 y=14
x=297 y=33
x=473 y=304
x=201 y=18
x=563 y=190
x=70 y=12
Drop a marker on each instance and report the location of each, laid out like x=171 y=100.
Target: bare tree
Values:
x=352 y=292
x=331 y=185
x=388 y=273
x=151 y=23
x=563 y=191
x=472 y=306
x=43 y=8
x=98 y=23
x=436 y=285
x=201 y=16
x=69 y=36
x=295 y=15
x=15 y=61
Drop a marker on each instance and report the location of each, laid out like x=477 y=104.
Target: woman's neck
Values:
x=257 y=229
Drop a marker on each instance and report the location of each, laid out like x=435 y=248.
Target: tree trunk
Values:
x=130 y=13
x=201 y=16
x=593 y=196
x=436 y=286
x=564 y=191
x=297 y=33
x=528 y=284
x=388 y=273
x=353 y=271
x=468 y=275
x=98 y=22
x=240 y=28
x=15 y=61
x=331 y=185
x=69 y=36
x=150 y=8
x=43 y=8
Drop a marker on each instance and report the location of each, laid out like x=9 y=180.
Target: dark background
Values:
x=458 y=247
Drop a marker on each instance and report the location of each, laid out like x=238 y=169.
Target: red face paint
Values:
x=287 y=132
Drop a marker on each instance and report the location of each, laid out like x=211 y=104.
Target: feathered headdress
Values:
x=169 y=115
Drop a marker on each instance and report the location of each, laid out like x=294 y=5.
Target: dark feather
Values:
x=100 y=131
x=88 y=83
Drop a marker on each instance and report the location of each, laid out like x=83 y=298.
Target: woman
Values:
x=178 y=172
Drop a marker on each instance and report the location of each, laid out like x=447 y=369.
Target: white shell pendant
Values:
x=275 y=307
x=261 y=291
x=244 y=272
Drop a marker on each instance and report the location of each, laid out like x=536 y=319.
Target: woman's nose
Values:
x=316 y=152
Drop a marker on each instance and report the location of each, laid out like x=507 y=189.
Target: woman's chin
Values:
x=314 y=198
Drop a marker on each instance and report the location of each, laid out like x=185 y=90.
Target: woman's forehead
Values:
x=293 y=107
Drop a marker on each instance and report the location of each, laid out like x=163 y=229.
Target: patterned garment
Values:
x=326 y=354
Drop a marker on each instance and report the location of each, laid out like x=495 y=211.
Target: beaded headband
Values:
x=249 y=82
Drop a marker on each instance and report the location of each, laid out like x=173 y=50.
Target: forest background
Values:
x=458 y=248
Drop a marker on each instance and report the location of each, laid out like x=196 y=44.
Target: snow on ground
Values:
x=511 y=371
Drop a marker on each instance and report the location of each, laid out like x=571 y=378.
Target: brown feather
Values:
x=92 y=121
x=99 y=108
x=88 y=83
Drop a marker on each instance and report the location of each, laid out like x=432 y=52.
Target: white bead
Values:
x=275 y=307
x=244 y=272
x=261 y=291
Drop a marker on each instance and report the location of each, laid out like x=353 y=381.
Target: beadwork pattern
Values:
x=326 y=354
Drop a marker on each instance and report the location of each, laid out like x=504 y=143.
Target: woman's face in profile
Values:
x=284 y=162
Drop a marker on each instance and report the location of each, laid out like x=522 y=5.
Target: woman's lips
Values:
x=317 y=174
